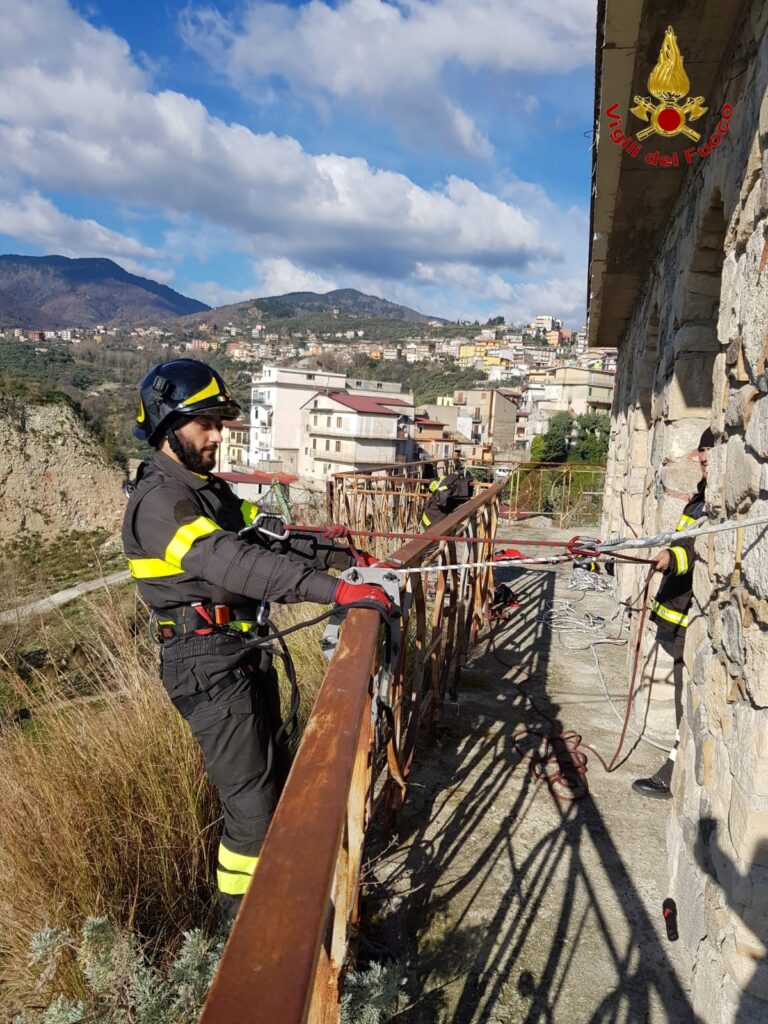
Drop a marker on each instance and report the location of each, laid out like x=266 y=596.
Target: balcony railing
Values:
x=284 y=957
x=369 y=434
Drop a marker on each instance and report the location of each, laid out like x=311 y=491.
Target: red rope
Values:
x=558 y=756
x=571 y=545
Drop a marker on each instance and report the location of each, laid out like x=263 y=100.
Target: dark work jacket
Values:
x=670 y=607
x=180 y=535
x=448 y=493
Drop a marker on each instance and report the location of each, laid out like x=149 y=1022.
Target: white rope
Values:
x=586 y=579
x=660 y=540
x=561 y=617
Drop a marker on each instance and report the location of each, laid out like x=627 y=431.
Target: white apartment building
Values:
x=544 y=323
x=277 y=398
x=344 y=431
x=276 y=401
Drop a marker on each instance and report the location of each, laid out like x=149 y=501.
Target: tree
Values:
x=538 y=448
x=592 y=436
x=556 y=438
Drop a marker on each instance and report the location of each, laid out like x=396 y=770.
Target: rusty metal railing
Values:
x=384 y=500
x=568 y=493
x=285 y=956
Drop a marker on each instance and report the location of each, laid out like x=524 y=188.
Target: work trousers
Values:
x=673 y=644
x=229 y=695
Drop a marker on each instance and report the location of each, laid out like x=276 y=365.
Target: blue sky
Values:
x=430 y=151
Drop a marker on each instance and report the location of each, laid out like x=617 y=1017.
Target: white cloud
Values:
x=277 y=276
x=393 y=55
x=215 y=294
x=78 y=115
x=273 y=276
x=34 y=218
x=82 y=129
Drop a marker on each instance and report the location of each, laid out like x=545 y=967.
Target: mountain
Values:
x=55 y=291
x=346 y=302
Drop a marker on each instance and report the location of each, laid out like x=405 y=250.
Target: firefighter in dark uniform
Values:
x=447 y=493
x=205 y=585
x=669 y=610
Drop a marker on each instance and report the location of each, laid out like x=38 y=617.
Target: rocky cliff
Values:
x=53 y=474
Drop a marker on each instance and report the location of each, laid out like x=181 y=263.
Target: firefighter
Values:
x=669 y=610
x=447 y=493
x=194 y=571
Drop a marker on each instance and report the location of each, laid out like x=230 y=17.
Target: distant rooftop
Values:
x=258 y=477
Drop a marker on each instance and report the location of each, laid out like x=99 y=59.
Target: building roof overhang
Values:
x=631 y=200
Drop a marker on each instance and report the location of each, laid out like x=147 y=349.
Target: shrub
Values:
x=370 y=995
x=104 y=805
x=121 y=986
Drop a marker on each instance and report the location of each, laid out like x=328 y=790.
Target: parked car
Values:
x=500 y=473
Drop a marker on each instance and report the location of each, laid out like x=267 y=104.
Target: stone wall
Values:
x=53 y=475
x=696 y=354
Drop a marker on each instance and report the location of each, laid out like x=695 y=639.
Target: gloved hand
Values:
x=365 y=560
x=335 y=531
x=349 y=593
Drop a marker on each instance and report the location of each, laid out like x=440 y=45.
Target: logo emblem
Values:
x=669 y=84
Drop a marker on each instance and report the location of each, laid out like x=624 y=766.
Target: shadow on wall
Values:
x=747 y=895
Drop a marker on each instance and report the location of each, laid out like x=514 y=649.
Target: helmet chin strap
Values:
x=175 y=444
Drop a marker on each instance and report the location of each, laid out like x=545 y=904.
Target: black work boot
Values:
x=657 y=786
x=228 y=907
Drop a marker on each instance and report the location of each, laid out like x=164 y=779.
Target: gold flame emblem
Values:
x=669 y=83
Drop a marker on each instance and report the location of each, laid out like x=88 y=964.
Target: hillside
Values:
x=344 y=303
x=54 y=477
x=54 y=291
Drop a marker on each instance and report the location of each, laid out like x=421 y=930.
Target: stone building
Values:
x=679 y=281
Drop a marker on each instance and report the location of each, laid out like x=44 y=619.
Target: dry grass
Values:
x=104 y=805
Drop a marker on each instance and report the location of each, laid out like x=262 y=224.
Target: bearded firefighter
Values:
x=205 y=585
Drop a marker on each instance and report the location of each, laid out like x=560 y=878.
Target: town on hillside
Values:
x=321 y=402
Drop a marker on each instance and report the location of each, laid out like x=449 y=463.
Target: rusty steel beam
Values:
x=276 y=940
x=282 y=961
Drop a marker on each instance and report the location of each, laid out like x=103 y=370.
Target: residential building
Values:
x=486 y=416
x=277 y=397
x=343 y=431
x=574 y=389
x=544 y=323
x=233 y=452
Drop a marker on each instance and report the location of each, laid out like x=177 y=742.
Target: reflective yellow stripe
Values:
x=243 y=862
x=681 y=558
x=684 y=522
x=241 y=625
x=676 y=618
x=232 y=884
x=249 y=511
x=425 y=520
x=151 y=568
x=435 y=484
x=211 y=388
x=186 y=536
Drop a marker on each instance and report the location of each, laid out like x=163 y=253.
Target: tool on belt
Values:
x=203 y=619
